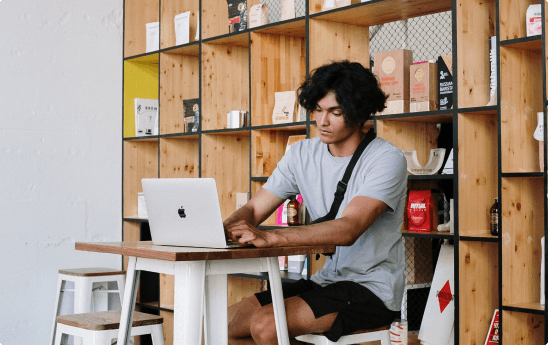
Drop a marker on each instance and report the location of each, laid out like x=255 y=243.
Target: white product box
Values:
x=182 y=28
x=295 y=263
x=141 y=206
x=534 y=20
x=153 y=37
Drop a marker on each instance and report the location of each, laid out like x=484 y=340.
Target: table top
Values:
x=146 y=249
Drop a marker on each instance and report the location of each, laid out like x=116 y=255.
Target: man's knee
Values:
x=263 y=326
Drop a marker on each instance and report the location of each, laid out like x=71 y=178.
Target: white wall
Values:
x=60 y=151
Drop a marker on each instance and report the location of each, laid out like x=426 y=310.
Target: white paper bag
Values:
x=542 y=273
x=153 y=37
x=258 y=15
x=439 y=314
x=284 y=107
x=288 y=9
x=182 y=28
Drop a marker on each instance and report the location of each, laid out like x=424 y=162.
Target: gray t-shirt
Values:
x=376 y=259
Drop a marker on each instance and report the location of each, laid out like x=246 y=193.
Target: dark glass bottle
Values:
x=293 y=212
x=494 y=218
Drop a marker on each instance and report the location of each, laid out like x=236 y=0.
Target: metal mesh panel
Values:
x=275 y=9
x=427 y=36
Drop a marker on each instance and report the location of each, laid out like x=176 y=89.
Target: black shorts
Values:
x=358 y=307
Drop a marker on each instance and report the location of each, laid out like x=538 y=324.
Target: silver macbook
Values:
x=185 y=212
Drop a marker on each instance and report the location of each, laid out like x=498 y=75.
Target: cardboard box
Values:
x=423 y=86
x=395 y=107
x=392 y=69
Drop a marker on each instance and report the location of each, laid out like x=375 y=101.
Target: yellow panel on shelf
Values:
x=140 y=81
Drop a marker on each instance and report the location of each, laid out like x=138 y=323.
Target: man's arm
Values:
x=356 y=218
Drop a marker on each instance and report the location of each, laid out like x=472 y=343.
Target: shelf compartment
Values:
x=226 y=159
x=478 y=289
x=475 y=26
x=278 y=63
x=512 y=16
x=522 y=226
x=140 y=161
x=131 y=233
x=137 y=14
x=437 y=116
x=528 y=43
x=520 y=101
x=522 y=328
x=171 y=8
x=271 y=220
x=532 y=308
x=242 y=287
x=225 y=79
x=337 y=41
x=478 y=172
x=215 y=17
x=180 y=80
x=380 y=12
x=140 y=81
x=267 y=149
x=179 y=157
x=419 y=136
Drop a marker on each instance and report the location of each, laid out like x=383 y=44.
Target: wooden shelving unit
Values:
x=495 y=154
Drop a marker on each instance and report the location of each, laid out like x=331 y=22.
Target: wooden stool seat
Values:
x=91 y=272
x=105 y=320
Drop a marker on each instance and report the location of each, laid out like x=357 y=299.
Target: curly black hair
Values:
x=356 y=88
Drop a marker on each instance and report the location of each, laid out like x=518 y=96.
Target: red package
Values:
x=420 y=210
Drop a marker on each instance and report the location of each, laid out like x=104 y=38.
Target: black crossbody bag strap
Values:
x=343 y=183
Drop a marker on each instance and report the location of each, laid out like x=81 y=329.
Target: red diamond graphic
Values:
x=445 y=296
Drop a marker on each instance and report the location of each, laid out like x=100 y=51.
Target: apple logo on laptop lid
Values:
x=181 y=212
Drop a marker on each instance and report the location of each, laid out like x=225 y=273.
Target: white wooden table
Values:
x=199 y=273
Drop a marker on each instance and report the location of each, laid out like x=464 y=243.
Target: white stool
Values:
x=382 y=334
x=83 y=279
x=100 y=328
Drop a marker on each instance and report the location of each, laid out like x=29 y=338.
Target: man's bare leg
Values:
x=249 y=323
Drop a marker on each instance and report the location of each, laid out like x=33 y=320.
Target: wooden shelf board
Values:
x=291 y=126
x=151 y=58
x=190 y=49
x=479 y=110
x=238 y=40
x=526 y=43
x=232 y=131
x=438 y=116
x=384 y=11
x=532 y=307
x=523 y=175
x=479 y=238
x=143 y=139
x=430 y=177
x=260 y=178
x=431 y=234
x=287 y=277
x=292 y=28
x=181 y=136
x=135 y=219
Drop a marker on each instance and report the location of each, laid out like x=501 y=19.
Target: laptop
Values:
x=185 y=212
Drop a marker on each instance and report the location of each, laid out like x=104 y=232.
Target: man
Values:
x=361 y=285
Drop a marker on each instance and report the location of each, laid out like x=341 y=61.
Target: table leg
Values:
x=189 y=302
x=216 y=301
x=278 y=300
x=128 y=305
